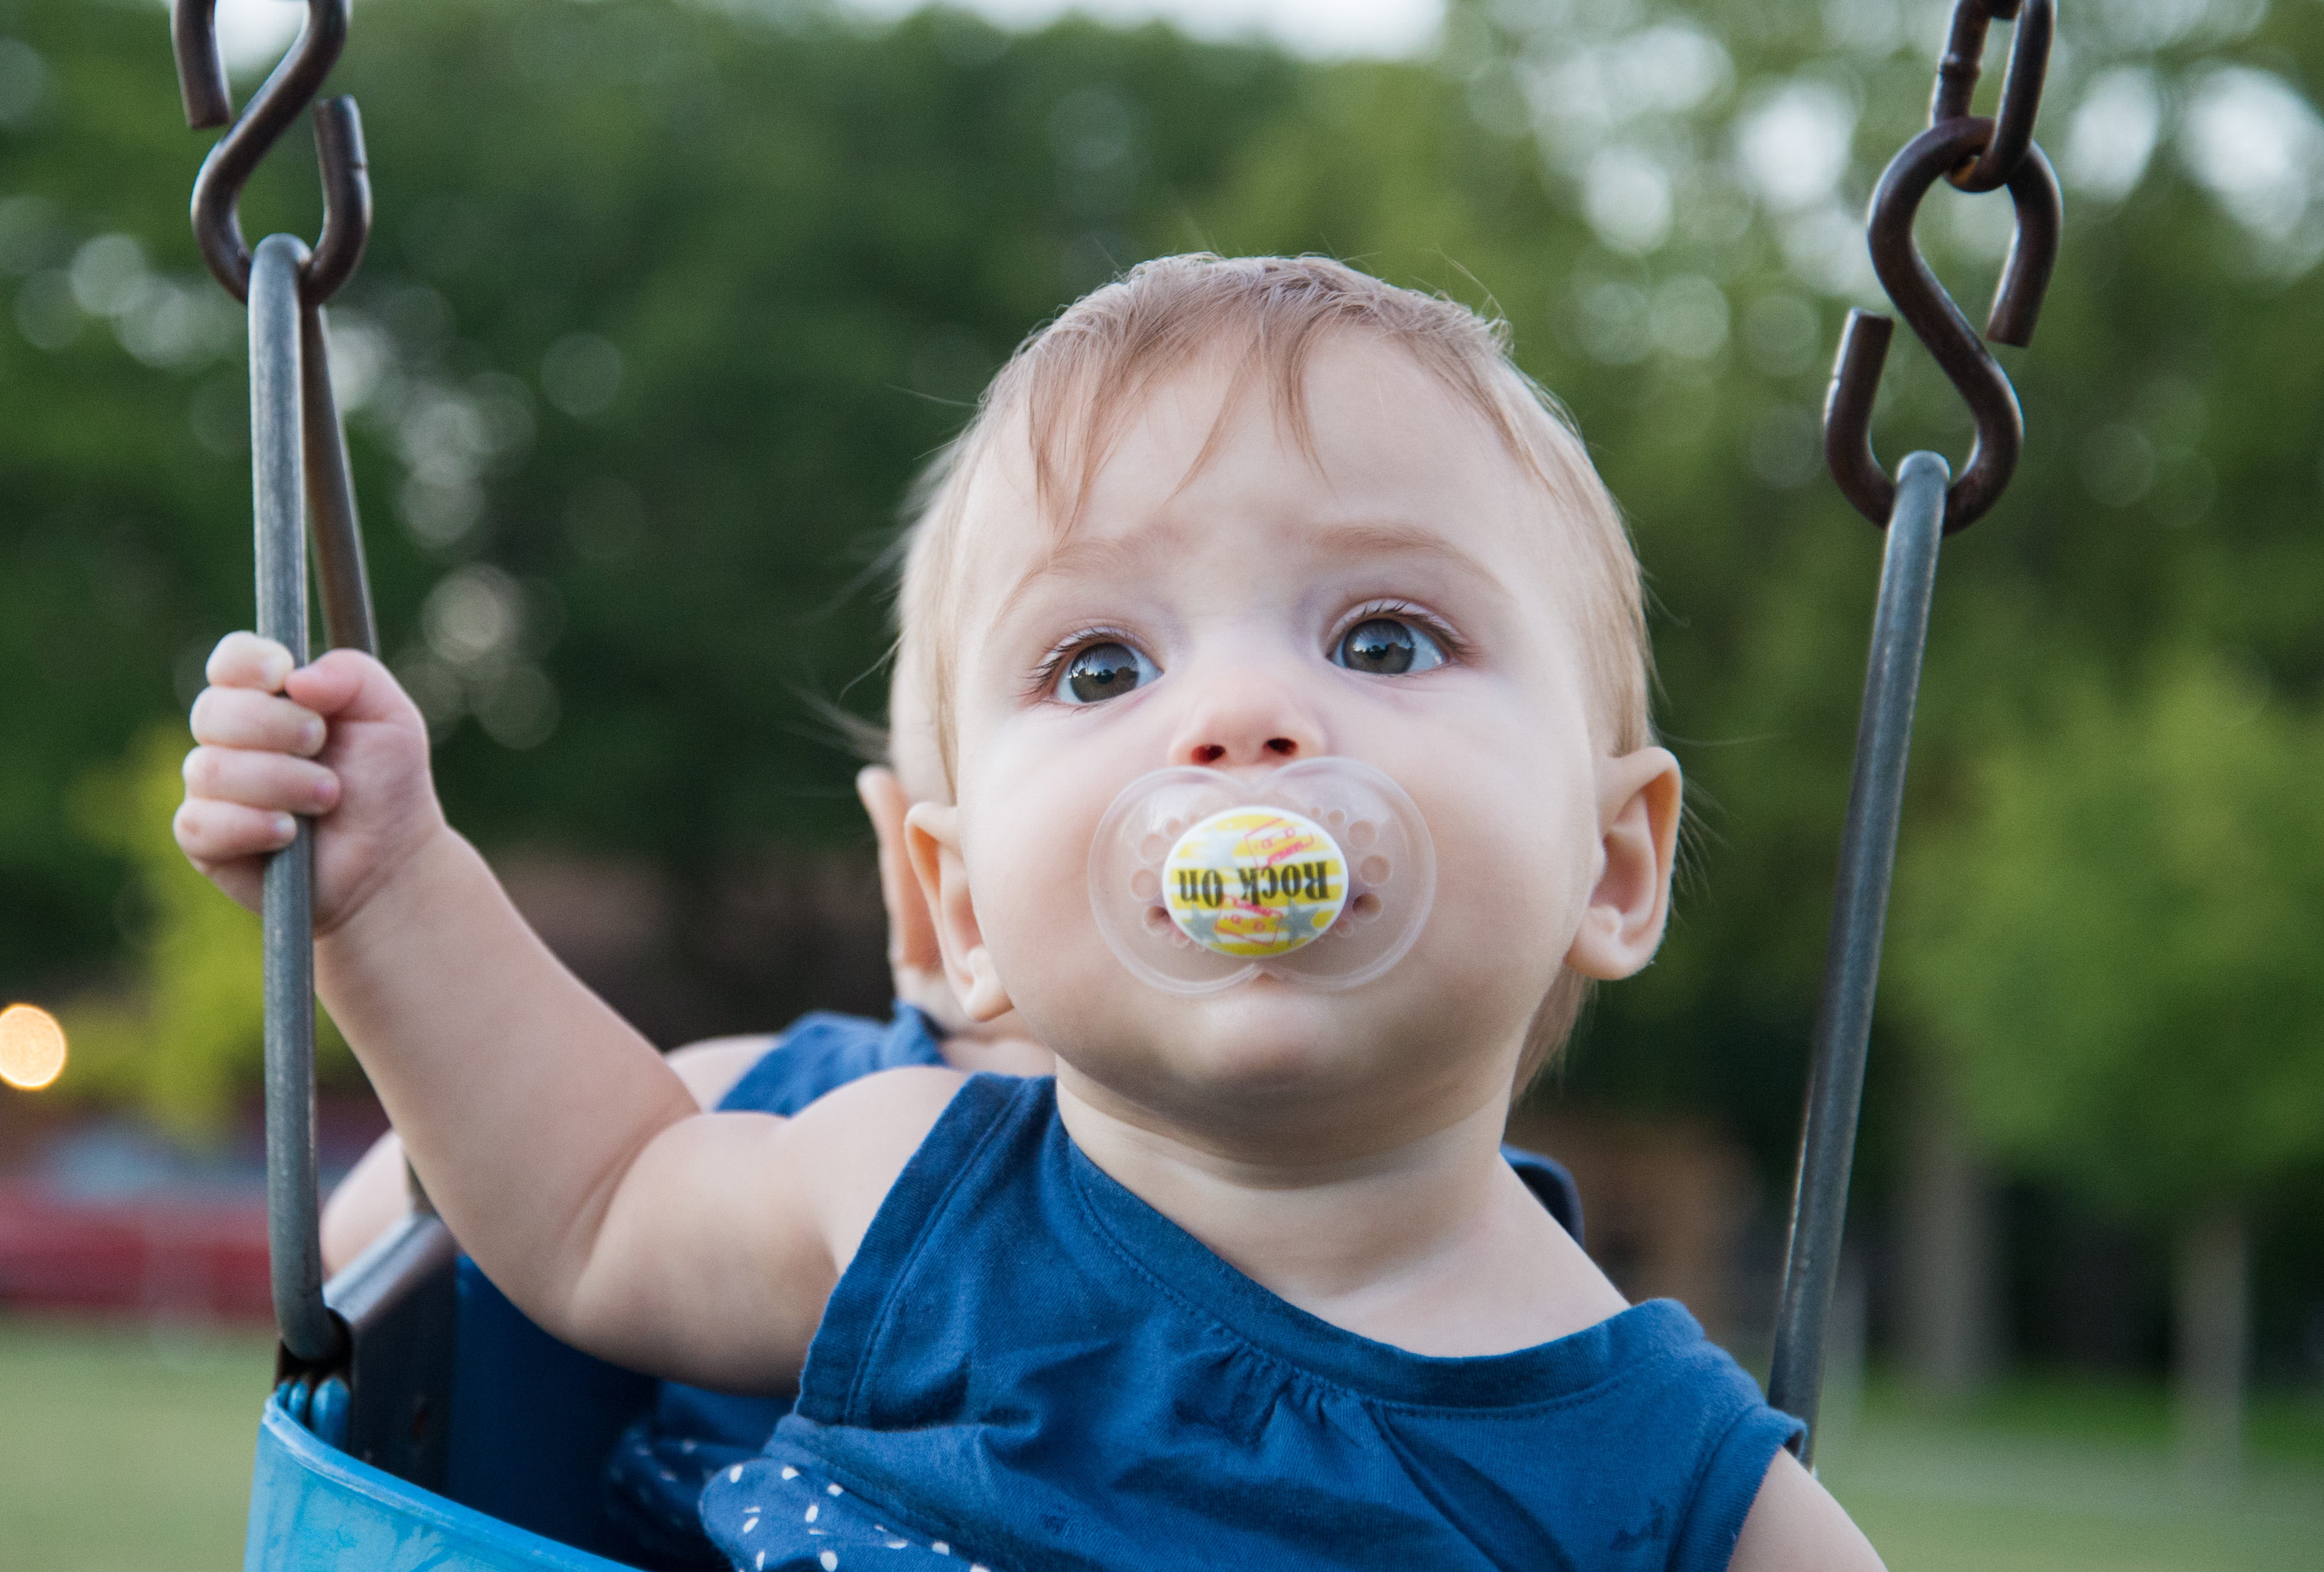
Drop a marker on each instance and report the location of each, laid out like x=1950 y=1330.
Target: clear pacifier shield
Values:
x=1319 y=873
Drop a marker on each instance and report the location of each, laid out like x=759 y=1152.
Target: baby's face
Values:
x=1397 y=597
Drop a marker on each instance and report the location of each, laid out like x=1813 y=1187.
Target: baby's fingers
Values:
x=244 y=660
x=228 y=717
x=259 y=780
x=215 y=834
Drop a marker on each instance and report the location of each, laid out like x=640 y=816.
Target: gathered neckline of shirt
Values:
x=1180 y=1265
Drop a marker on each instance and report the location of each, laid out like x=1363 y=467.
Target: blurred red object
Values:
x=105 y=1213
x=194 y=1260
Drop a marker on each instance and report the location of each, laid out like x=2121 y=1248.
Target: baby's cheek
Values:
x=1507 y=903
x=1045 y=948
x=1031 y=894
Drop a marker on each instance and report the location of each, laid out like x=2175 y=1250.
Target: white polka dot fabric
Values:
x=775 y=1517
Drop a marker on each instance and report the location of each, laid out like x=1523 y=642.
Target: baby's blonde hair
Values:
x=1076 y=385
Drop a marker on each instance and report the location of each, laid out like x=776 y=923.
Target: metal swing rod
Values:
x=299 y=478
x=1921 y=505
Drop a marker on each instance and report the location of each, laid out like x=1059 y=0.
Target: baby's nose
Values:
x=1245 y=720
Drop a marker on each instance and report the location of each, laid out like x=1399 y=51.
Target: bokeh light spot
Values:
x=32 y=1047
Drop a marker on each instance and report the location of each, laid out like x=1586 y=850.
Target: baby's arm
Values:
x=1795 y=1526
x=569 y=1158
x=371 y=1197
x=376 y=1192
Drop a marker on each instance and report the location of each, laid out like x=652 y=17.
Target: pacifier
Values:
x=1320 y=873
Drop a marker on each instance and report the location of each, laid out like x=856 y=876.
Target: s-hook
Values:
x=1960 y=147
x=298 y=454
x=346 y=227
x=1917 y=508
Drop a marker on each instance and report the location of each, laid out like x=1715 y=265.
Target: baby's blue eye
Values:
x=1103 y=672
x=1387 y=646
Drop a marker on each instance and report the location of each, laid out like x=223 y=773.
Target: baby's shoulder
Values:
x=876 y=1121
x=855 y=1142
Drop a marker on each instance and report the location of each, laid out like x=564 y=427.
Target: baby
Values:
x=1248 y=1283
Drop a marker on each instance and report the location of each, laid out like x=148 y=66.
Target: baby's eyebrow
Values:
x=1086 y=554
x=1401 y=538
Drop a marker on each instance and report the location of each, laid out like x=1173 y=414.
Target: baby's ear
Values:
x=932 y=838
x=915 y=959
x=1638 y=797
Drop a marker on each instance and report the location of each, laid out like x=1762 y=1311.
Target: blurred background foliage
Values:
x=666 y=301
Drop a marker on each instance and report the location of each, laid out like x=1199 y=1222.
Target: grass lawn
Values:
x=2046 y=1477
x=125 y=1449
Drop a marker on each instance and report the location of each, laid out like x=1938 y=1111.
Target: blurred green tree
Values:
x=182 y=1038
x=2114 y=937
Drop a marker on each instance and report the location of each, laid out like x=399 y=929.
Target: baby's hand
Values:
x=337 y=740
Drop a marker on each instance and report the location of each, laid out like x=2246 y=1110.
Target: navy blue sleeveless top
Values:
x=655 y=1476
x=1026 y=1368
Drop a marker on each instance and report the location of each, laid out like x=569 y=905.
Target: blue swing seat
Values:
x=315 y=1509
x=530 y=1425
